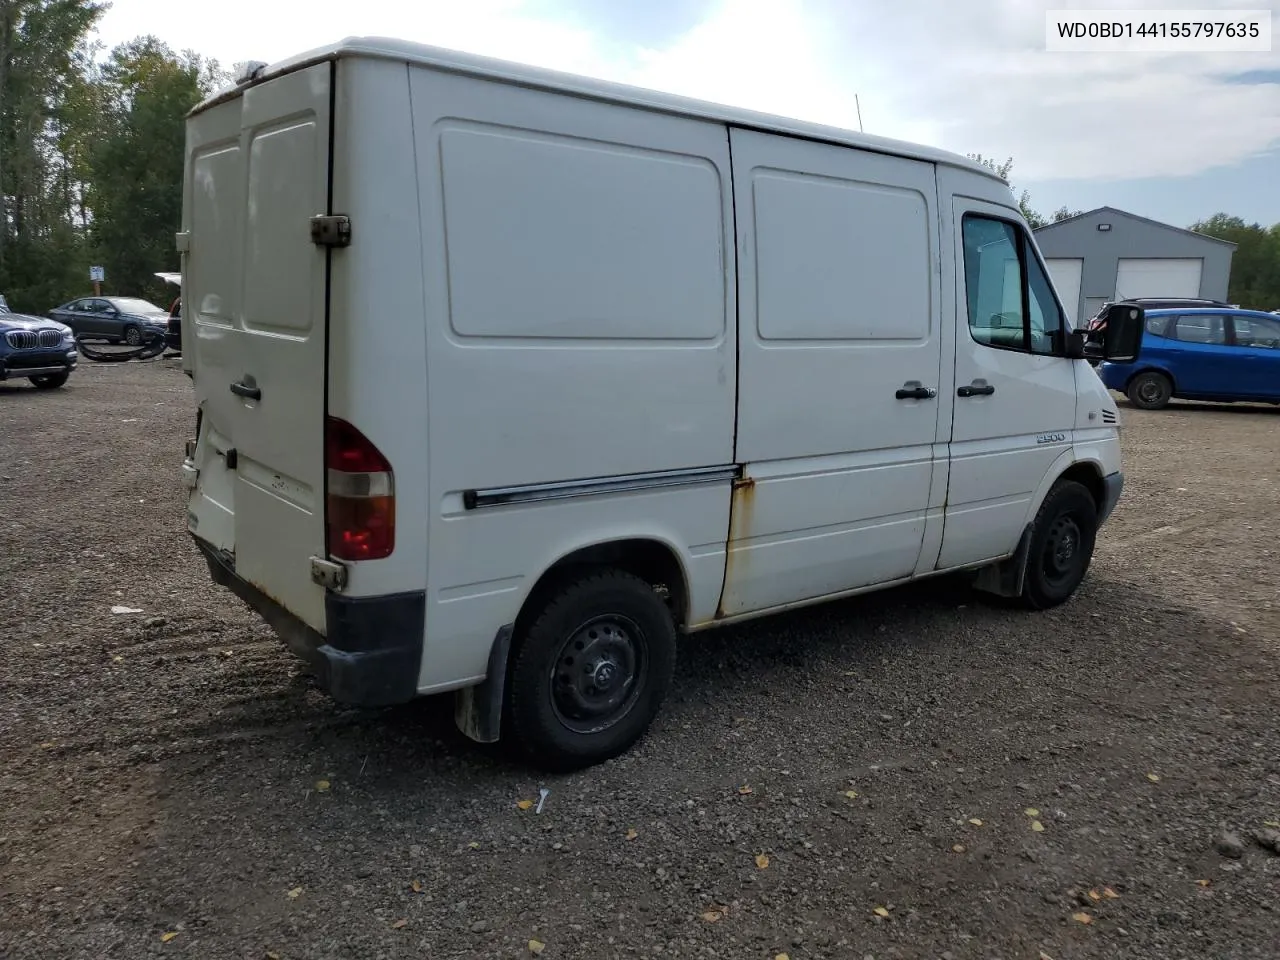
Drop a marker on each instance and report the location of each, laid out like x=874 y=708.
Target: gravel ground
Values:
x=161 y=771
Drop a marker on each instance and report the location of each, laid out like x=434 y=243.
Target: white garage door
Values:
x=1158 y=278
x=1065 y=274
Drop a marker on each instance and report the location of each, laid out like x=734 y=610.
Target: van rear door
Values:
x=257 y=171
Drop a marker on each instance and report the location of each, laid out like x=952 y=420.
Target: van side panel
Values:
x=839 y=292
x=580 y=299
x=377 y=337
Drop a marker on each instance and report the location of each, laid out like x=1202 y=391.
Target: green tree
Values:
x=136 y=160
x=43 y=53
x=1255 y=267
x=1002 y=171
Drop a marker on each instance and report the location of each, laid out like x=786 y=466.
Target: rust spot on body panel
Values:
x=741 y=510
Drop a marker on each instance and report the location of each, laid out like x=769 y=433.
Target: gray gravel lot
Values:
x=160 y=772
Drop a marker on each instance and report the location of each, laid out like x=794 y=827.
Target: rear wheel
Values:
x=1150 y=390
x=50 y=381
x=591 y=671
x=1062 y=541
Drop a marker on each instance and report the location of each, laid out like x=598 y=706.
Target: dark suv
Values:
x=36 y=349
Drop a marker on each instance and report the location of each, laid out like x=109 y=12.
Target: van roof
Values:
x=386 y=48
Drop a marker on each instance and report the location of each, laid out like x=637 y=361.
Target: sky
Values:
x=1174 y=137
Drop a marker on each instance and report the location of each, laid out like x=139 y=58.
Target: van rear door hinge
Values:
x=331 y=231
x=328 y=574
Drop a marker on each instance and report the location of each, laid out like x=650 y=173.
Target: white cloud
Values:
x=969 y=75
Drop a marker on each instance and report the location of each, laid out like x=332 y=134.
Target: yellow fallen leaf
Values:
x=745 y=790
x=631 y=834
x=711 y=916
x=1110 y=894
x=1204 y=883
x=295 y=893
x=536 y=947
x=782 y=956
x=851 y=794
x=48 y=746
x=416 y=886
x=322 y=786
x=1037 y=826
x=1031 y=812
x=272 y=955
x=117 y=659
x=958 y=848
x=1095 y=896
x=1154 y=778
x=881 y=912
x=1082 y=918
x=474 y=845
x=524 y=804
x=400 y=924
x=166 y=937
x=762 y=861
x=975 y=821
x=1274 y=824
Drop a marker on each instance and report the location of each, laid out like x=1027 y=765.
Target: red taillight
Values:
x=360 y=509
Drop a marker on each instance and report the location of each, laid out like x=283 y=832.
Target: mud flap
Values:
x=1006 y=578
x=478 y=709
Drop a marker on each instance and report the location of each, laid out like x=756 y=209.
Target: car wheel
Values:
x=1062 y=540
x=591 y=671
x=1150 y=390
x=50 y=381
x=133 y=336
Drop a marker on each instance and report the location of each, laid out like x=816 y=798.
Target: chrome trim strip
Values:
x=21 y=373
x=563 y=490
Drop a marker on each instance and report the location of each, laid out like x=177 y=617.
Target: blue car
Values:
x=1203 y=353
x=33 y=348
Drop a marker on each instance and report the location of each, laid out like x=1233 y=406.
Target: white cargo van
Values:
x=505 y=379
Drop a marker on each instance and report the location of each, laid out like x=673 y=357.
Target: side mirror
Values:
x=1076 y=344
x=1118 y=334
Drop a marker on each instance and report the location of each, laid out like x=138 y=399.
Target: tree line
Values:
x=1255 y=268
x=91 y=154
x=91 y=163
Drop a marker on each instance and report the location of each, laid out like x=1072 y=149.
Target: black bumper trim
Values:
x=1112 y=487
x=373 y=651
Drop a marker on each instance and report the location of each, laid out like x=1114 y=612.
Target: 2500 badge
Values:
x=1052 y=438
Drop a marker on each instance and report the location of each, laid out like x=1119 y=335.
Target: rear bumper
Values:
x=1112 y=488
x=372 y=650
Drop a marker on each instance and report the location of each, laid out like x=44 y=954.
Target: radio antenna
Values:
x=857 y=104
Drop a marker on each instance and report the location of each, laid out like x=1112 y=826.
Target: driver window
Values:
x=995 y=254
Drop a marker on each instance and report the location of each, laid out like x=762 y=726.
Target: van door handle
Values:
x=247 y=388
x=915 y=390
x=979 y=388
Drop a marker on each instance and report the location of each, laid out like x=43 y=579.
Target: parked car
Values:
x=653 y=382
x=36 y=349
x=173 y=329
x=114 y=319
x=1201 y=354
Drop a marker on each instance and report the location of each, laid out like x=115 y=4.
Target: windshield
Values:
x=4 y=304
x=129 y=305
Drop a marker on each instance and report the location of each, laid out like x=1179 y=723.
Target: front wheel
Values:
x=133 y=336
x=50 y=381
x=591 y=671
x=1062 y=540
x=1150 y=390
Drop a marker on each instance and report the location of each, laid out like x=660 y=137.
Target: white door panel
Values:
x=1066 y=274
x=839 y=310
x=1009 y=430
x=1158 y=277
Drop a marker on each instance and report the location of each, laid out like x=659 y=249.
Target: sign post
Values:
x=97 y=275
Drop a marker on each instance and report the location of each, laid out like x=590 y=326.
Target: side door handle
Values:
x=247 y=388
x=979 y=388
x=915 y=390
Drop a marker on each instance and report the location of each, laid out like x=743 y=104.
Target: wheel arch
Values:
x=1087 y=471
x=1152 y=368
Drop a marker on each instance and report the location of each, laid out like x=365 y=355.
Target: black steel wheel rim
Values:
x=598 y=673
x=1062 y=550
x=1150 y=390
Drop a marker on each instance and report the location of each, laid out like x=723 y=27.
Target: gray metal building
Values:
x=1108 y=254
